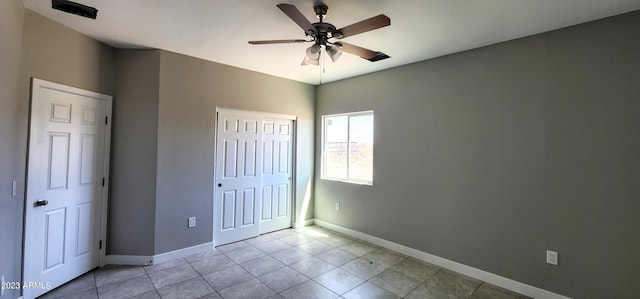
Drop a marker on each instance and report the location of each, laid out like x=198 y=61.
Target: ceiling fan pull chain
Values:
x=321 y=70
x=324 y=58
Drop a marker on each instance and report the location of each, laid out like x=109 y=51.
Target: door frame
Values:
x=36 y=85
x=293 y=154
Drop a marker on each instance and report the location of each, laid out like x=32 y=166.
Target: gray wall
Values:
x=56 y=53
x=491 y=156
x=163 y=144
x=11 y=158
x=190 y=91
x=134 y=153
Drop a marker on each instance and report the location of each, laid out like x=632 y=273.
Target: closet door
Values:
x=253 y=175
x=277 y=174
x=237 y=173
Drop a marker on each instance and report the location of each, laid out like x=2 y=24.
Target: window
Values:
x=347 y=147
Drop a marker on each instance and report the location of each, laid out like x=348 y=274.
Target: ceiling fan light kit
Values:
x=313 y=56
x=324 y=34
x=308 y=61
x=313 y=52
x=334 y=54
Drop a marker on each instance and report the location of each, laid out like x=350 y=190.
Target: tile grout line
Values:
x=200 y=276
x=288 y=266
x=476 y=289
x=425 y=282
x=254 y=277
x=153 y=284
x=279 y=293
x=422 y=282
x=205 y=280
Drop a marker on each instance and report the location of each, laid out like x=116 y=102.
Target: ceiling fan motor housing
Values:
x=325 y=32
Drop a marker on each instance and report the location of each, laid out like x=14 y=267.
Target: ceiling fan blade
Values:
x=369 y=24
x=292 y=12
x=277 y=41
x=355 y=50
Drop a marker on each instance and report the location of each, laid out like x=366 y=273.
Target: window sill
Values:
x=354 y=182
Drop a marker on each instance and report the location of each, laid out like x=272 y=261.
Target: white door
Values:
x=277 y=174
x=237 y=173
x=65 y=194
x=254 y=175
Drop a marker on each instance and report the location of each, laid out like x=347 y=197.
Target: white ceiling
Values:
x=218 y=30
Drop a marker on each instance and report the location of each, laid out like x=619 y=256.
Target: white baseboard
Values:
x=129 y=260
x=303 y=223
x=491 y=278
x=158 y=258
x=163 y=257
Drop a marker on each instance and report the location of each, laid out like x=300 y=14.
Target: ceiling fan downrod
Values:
x=321 y=11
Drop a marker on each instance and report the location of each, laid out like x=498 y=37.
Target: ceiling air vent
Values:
x=75 y=8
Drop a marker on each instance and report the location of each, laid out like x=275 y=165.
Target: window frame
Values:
x=323 y=150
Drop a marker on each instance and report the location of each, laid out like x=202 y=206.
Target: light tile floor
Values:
x=312 y=262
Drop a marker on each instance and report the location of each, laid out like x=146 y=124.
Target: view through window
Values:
x=347 y=147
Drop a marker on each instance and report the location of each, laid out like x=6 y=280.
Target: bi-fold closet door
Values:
x=253 y=175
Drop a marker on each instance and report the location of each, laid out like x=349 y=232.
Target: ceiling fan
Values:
x=324 y=35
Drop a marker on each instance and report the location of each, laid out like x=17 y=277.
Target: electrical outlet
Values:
x=192 y=221
x=337 y=206
x=552 y=257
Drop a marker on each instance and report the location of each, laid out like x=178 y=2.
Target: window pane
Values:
x=361 y=147
x=336 y=128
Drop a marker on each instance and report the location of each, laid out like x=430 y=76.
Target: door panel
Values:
x=283 y=159
x=250 y=158
x=277 y=174
x=67 y=147
x=83 y=233
x=54 y=238
x=248 y=207
x=283 y=200
x=236 y=207
x=267 y=202
x=267 y=157
x=58 y=160
x=87 y=158
x=229 y=210
x=230 y=158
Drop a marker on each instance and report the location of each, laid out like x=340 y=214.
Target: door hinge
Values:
x=102 y=182
x=106 y=120
x=100 y=245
